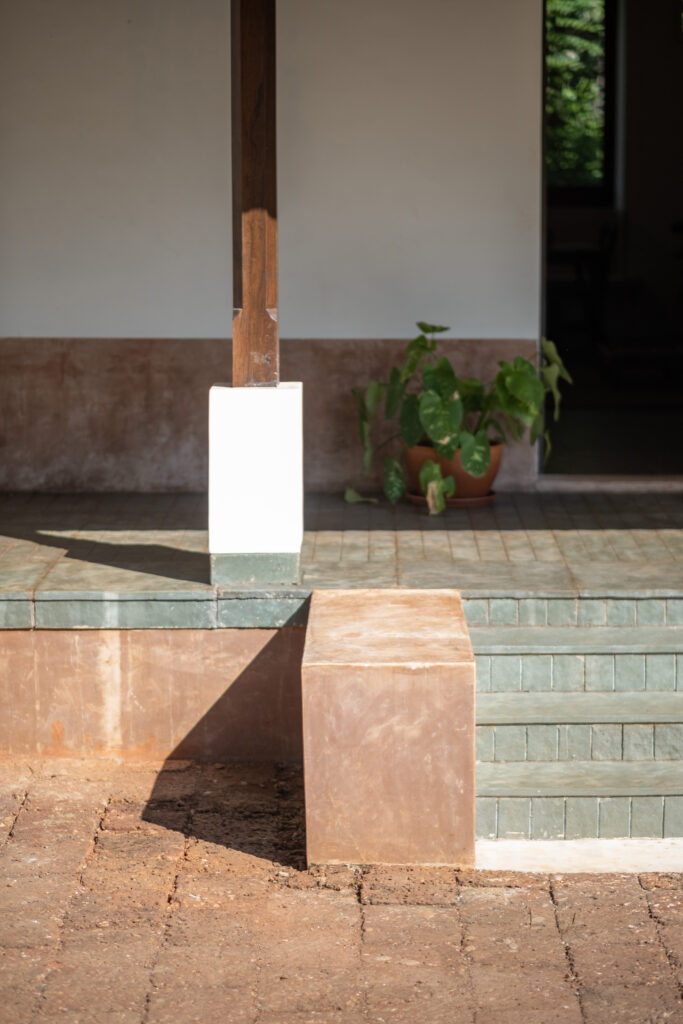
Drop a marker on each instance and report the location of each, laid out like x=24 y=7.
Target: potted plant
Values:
x=453 y=428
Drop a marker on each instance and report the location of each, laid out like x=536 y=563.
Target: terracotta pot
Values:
x=466 y=486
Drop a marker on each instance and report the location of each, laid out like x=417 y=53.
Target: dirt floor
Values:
x=136 y=897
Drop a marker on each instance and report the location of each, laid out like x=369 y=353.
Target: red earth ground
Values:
x=132 y=896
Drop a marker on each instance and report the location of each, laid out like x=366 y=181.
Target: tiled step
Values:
x=606 y=741
x=598 y=658
x=579 y=800
x=535 y=673
x=578 y=708
x=540 y=727
x=622 y=609
x=578 y=640
x=117 y=604
x=579 y=731
x=580 y=817
x=580 y=778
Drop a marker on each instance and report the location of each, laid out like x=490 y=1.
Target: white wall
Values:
x=114 y=202
x=409 y=163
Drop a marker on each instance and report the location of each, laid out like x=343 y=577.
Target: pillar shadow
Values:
x=48 y=520
x=153 y=559
x=236 y=779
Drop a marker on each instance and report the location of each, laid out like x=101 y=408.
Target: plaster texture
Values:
x=210 y=695
x=114 y=182
x=388 y=722
x=113 y=414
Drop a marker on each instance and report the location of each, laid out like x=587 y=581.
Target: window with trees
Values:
x=578 y=100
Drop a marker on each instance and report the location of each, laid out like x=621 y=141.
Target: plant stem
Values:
x=382 y=443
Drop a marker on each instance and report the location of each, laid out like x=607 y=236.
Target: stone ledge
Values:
x=138 y=611
x=510 y=625
x=579 y=856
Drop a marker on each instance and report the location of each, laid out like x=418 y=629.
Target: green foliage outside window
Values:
x=575 y=92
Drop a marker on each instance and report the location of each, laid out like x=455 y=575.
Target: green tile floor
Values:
x=126 y=561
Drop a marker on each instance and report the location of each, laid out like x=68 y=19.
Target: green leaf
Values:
x=409 y=421
x=395 y=393
x=414 y=354
x=440 y=378
x=471 y=392
x=431 y=414
x=364 y=426
x=354 y=498
x=515 y=428
x=441 y=419
x=429 y=377
x=523 y=365
x=469 y=386
x=447 y=449
x=430 y=328
x=526 y=388
x=431 y=482
x=367 y=445
x=360 y=402
x=519 y=393
x=430 y=471
x=548 y=447
x=549 y=350
x=436 y=502
x=373 y=396
x=435 y=487
x=549 y=375
x=536 y=428
x=475 y=452
x=394 y=480
x=497 y=425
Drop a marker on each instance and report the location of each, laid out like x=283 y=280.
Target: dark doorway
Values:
x=614 y=232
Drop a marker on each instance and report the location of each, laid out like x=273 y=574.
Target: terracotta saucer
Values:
x=484 y=499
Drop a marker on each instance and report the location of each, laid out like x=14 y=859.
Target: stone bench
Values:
x=388 y=685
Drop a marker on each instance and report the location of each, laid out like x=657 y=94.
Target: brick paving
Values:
x=131 y=896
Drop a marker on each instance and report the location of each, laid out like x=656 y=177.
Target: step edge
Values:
x=576 y=639
x=645 y=707
x=625 y=856
x=562 y=778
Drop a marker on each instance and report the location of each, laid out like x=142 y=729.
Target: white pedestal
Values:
x=256 y=511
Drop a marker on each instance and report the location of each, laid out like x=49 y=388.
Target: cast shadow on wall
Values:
x=235 y=780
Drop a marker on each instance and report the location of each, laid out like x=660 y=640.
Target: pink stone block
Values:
x=388 y=687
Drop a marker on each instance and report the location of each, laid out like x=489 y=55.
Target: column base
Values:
x=255 y=570
x=256 y=514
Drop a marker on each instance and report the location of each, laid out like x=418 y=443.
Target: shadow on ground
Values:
x=235 y=779
x=256 y=809
x=152 y=559
x=54 y=521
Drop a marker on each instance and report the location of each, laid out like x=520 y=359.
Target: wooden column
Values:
x=255 y=359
